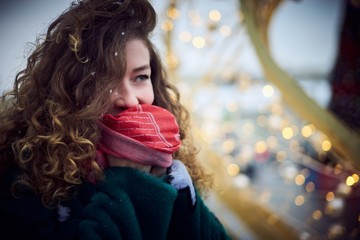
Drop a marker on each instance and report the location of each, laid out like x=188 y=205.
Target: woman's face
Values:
x=136 y=87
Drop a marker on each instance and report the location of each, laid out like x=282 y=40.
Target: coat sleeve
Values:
x=133 y=205
x=24 y=216
x=191 y=219
x=194 y=221
x=128 y=204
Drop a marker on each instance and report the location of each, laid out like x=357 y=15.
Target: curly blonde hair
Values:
x=49 y=129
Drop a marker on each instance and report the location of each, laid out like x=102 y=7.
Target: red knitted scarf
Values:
x=146 y=134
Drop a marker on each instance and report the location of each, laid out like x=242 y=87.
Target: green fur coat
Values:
x=128 y=204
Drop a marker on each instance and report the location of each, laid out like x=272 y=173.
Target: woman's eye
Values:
x=142 y=78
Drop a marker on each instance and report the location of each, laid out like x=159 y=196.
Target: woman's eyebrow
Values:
x=141 y=68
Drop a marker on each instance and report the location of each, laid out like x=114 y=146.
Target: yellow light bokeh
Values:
x=272 y=142
x=268 y=91
x=300 y=179
x=350 y=181
x=310 y=187
x=233 y=169
x=281 y=156
x=248 y=128
x=198 y=42
x=173 y=13
x=261 y=147
x=317 y=214
x=294 y=145
x=305 y=172
x=355 y=177
x=167 y=25
x=307 y=131
x=185 y=36
x=338 y=169
x=299 y=200
x=330 y=196
x=228 y=145
x=287 y=133
x=326 y=145
x=225 y=30
x=277 y=109
x=172 y=61
x=195 y=18
x=215 y=15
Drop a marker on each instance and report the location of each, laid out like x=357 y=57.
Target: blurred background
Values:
x=274 y=91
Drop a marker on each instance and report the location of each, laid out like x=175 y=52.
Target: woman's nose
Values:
x=125 y=97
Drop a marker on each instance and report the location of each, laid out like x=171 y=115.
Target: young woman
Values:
x=95 y=60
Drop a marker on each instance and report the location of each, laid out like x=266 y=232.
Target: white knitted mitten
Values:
x=180 y=178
